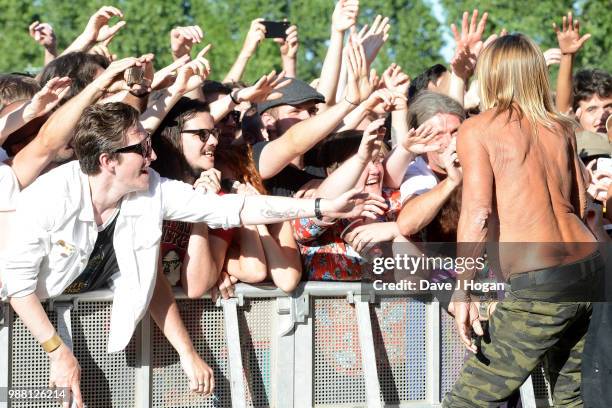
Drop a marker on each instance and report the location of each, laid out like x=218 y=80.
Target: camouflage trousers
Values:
x=521 y=334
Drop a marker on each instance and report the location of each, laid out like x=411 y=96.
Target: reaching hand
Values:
x=256 y=34
x=200 y=375
x=360 y=83
x=418 y=141
x=395 y=80
x=371 y=140
x=289 y=46
x=47 y=98
x=263 y=88
x=363 y=235
x=43 y=34
x=451 y=163
x=167 y=75
x=469 y=44
x=209 y=182
x=466 y=319
x=354 y=203
x=383 y=100
x=111 y=80
x=345 y=15
x=192 y=75
x=98 y=30
x=224 y=287
x=183 y=38
x=374 y=38
x=569 y=37
x=552 y=56
x=65 y=372
x=102 y=49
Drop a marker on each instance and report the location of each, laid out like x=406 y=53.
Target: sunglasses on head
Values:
x=144 y=148
x=204 y=134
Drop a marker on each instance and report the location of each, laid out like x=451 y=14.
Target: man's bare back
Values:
x=536 y=197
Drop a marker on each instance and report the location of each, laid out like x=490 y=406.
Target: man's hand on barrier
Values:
x=65 y=372
x=200 y=375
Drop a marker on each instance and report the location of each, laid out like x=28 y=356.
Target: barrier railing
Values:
x=327 y=345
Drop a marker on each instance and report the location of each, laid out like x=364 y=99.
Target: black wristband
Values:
x=233 y=98
x=318 y=213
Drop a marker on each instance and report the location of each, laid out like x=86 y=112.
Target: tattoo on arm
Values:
x=269 y=212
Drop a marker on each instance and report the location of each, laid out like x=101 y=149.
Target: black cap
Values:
x=294 y=93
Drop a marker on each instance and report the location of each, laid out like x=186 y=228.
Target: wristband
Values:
x=352 y=103
x=233 y=98
x=318 y=214
x=52 y=344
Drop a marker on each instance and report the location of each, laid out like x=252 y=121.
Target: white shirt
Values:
x=9 y=187
x=418 y=179
x=56 y=233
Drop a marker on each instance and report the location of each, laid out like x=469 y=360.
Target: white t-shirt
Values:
x=418 y=179
x=9 y=187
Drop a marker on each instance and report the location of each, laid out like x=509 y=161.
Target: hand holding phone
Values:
x=276 y=29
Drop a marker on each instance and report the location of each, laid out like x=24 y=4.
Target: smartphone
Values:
x=276 y=29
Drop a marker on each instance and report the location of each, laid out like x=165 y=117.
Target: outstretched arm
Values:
x=43 y=34
x=256 y=34
x=570 y=43
x=288 y=50
x=97 y=29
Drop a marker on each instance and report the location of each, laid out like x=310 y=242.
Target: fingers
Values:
x=473 y=21
x=76 y=394
x=483 y=23
x=464 y=24
x=204 y=51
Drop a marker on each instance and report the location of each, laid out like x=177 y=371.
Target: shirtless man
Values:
x=522 y=178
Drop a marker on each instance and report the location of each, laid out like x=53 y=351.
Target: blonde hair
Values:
x=513 y=78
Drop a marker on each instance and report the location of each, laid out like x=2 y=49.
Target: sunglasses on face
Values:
x=204 y=134
x=144 y=148
x=234 y=115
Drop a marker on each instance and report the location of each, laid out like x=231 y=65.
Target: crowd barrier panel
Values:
x=327 y=345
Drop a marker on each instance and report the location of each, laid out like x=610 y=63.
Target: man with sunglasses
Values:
x=67 y=244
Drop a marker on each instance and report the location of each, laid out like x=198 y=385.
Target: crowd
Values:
x=116 y=173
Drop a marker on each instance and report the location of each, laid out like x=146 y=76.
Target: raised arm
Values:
x=288 y=50
x=182 y=40
x=302 y=136
x=344 y=16
x=346 y=176
x=256 y=34
x=97 y=29
x=468 y=47
x=43 y=34
x=570 y=43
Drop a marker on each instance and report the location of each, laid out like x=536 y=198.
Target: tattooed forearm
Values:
x=269 y=212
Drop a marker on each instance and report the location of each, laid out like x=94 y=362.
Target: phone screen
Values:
x=276 y=29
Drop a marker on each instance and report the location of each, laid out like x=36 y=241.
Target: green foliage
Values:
x=535 y=18
x=414 y=43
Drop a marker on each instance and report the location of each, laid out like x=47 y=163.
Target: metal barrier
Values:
x=328 y=345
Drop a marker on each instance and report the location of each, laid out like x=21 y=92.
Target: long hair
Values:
x=239 y=158
x=513 y=78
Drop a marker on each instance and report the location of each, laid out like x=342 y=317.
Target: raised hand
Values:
x=371 y=140
x=569 y=37
x=183 y=38
x=263 y=88
x=192 y=75
x=419 y=141
x=360 y=83
x=469 y=44
x=43 y=34
x=102 y=49
x=345 y=15
x=395 y=80
x=256 y=34
x=167 y=75
x=48 y=97
x=374 y=38
x=383 y=100
x=451 y=164
x=98 y=30
x=552 y=56
x=289 y=46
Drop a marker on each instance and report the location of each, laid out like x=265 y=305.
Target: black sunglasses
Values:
x=144 y=148
x=234 y=115
x=204 y=134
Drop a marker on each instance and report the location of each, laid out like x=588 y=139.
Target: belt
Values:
x=579 y=270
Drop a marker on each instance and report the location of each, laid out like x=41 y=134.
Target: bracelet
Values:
x=52 y=344
x=317 y=211
x=233 y=98
x=352 y=103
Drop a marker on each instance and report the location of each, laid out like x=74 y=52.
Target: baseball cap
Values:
x=592 y=144
x=295 y=92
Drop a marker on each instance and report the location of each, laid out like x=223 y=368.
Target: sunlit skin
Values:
x=132 y=170
x=447 y=126
x=285 y=116
x=200 y=156
x=593 y=113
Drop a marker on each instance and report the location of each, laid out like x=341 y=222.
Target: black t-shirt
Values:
x=102 y=263
x=290 y=179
